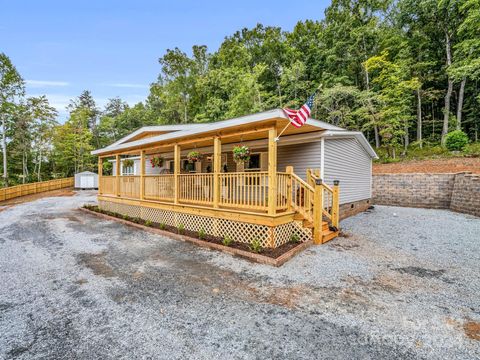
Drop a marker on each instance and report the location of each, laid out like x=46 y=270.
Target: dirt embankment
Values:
x=451 y=165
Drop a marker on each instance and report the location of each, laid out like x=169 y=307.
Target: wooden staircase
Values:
x=317 y=205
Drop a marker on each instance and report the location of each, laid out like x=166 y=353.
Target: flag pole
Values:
x=281 y=132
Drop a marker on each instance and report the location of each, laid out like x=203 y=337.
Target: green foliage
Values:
x=255 y=245
x=162 y=226
x=201 y=234
x=377 y=60
x=128 y=163
x=148 y=223
x=227 y=240
x=456 y=140
x=181 y=228
x=241 y=153
x=294 y=238
x=194 y=156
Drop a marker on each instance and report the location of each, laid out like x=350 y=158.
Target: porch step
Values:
x=309 y=225
x=329 y=235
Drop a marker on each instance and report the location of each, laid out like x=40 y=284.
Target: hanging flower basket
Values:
x=194 y=156
x=127 y=163
x=156 y=161
x=241 y=154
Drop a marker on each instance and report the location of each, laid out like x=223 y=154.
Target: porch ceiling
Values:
x=236 y=133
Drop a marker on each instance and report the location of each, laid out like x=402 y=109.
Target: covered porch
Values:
x=256 y=195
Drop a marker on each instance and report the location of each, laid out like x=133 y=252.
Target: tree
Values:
x=44 y=122
x=11 y=86
x=395 y=88
x=72 y=144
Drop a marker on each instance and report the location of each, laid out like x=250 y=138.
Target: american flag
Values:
x=299 y=117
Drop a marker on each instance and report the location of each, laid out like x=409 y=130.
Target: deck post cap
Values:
x=336 y=182
x=318 y=181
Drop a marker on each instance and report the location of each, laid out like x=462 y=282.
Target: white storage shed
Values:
x=86 y=180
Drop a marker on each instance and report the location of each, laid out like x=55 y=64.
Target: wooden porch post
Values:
x=100 y=174
x=142 y=174
x=176 y=171
x=272 y=171
x=217 y=164
x=317 y=212
x=289 y=171
x=117 y=173
x=336 y=204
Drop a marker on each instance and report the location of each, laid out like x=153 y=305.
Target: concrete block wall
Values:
x=459 y=192
x=466 y=194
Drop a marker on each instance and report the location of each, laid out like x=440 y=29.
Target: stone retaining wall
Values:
x=459 y=192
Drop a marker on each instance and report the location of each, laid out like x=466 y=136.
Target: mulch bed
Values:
x=445 y=165
x=278 y=255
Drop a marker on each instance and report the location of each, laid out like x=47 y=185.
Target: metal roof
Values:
x=182 y=130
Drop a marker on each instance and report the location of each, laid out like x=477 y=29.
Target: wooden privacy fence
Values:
x=34 y=188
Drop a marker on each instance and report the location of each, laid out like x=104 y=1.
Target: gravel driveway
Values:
x=402 y=283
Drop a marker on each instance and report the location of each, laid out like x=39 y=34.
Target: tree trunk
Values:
x=460 y=103
x=446 y=110
x=377 y=137
x=39 y=165
x=4 y=152
x=406 y=137
x=419 y=119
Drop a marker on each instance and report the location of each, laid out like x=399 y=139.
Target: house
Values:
x=299 y=184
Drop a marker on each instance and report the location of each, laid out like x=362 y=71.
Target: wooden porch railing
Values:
x=313 y=199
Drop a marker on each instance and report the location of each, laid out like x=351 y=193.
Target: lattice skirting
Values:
x=236 y=230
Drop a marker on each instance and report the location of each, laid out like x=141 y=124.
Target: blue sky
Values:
x=112 y=47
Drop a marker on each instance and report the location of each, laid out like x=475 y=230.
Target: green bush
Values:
x=294 y=238
x=456 y=140
x=227 y=240
x=201 y=234
x=256 y=245
x=148 y=223
x=472 y=149
x=181 y=228
x=162 y=226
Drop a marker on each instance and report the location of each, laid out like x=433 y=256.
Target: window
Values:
x=128 y=170
x=254 y=163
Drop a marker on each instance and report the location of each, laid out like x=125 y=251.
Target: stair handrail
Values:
x=302 y=196
x=330 y=197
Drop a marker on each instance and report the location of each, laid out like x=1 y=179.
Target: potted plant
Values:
x=156 y=161
x=128 y=163
x=194 y=156
x=241 y=154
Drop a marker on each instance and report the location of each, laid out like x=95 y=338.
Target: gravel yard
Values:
x=401 y=283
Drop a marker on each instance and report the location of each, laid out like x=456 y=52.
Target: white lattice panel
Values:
x=236 y=230
x=284 y=232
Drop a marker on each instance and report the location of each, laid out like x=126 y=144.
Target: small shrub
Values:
x=201 y=234
x=472 y=149
x=294 y=238
x=148 y=223
x=162 y=226
x=137 y=220
x=256 y=245
x=181 y=228
x=227 y=240
x=126 y=217
x=456 y=140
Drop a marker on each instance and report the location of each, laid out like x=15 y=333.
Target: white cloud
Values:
x=45 y=83
x=128 y=85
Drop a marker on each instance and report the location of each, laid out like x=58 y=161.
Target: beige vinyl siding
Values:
x=347 y=161
x=300 y=156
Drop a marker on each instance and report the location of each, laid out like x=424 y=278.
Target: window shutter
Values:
x=198 y=167
x=264 y=161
